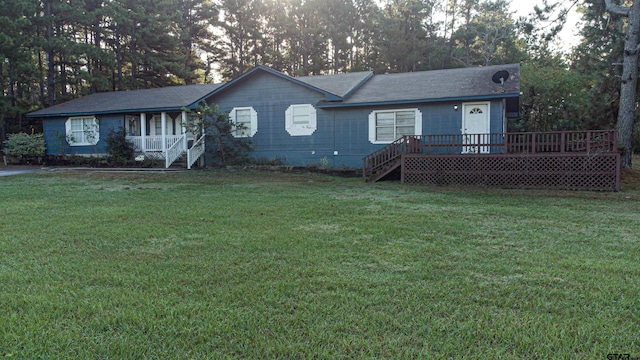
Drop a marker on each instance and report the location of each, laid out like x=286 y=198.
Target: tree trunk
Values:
x=51 y=85
x=626 y=113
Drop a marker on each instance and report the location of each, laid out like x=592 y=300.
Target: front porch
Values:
x=164 y=136
x=581 y=160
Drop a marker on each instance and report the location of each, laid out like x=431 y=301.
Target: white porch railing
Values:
x=137 y=142
x=175 y=150
x=194 y=153
x=153 y=142
x=175 y=145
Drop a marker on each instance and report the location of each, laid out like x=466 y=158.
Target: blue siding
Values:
x=270 y=96
x=342 y=135
x=54 y=128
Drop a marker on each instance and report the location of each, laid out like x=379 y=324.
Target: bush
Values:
x=118 y=147
x=23 y=145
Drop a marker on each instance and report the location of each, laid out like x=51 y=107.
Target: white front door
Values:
x=475 y=120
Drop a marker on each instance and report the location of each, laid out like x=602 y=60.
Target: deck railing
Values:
x=593 y=141
x=513 y=143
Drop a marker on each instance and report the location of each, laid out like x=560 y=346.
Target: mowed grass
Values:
x=217 y=264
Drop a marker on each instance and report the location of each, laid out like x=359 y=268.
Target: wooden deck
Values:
x=581 y=160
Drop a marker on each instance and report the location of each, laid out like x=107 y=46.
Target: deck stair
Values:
x=384 y=161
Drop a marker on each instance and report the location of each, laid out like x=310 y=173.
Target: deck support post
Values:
x=506 y=142
x=533 y=143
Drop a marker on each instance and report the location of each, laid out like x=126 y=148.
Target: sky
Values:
x=569 y=35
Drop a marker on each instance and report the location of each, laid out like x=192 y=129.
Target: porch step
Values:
x=180 y=162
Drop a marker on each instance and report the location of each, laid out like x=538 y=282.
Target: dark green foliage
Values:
x=23 y=145
x=553 y=98
x=221 y=145
x=119 y=148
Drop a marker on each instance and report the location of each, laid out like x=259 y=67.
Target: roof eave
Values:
x=417 y=101
x=105 y=112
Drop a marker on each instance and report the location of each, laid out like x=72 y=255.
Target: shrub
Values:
x=118 y=147
x=23 y=145
x=222 y=147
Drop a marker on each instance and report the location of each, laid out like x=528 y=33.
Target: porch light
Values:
x=455 y=107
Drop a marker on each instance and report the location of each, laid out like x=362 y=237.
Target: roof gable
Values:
x=333 y=89
x=342 y=85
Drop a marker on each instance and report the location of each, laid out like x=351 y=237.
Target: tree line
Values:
x=55 y=50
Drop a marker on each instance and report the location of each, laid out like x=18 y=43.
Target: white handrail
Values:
x=174 y=151
x=196 y=150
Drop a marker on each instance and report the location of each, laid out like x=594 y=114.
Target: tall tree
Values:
x=241 y=23
x=629 y=80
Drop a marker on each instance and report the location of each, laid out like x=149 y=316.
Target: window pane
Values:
x=384 y=134
x=384 y=119
x=301 y=119
x=300 y=114
x=243 y=122
x=300 y=111
x=405 y=130
x=243 y=115
x=405 y=118
x=78 y=136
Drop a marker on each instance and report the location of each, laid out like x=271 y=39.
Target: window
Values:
x=301 y=120
x=388 y=125
x=133 y=125
x=155 y=127
x=82 y=131
x=245 y=120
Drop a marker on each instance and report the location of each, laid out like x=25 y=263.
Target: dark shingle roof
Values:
x=167 y=98
x=339 y=84
x=352 y=89
x=334 y=87
x=435 y=85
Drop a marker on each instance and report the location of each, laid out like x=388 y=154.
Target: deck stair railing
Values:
x=383 y=161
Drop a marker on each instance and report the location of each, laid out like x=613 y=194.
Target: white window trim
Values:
x=301 y=129
x=96 y=129
x=254 y=121
x=372 y=124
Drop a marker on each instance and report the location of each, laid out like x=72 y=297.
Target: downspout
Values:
x=335 y=152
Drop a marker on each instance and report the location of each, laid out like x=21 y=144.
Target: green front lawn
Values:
x=216 y=264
